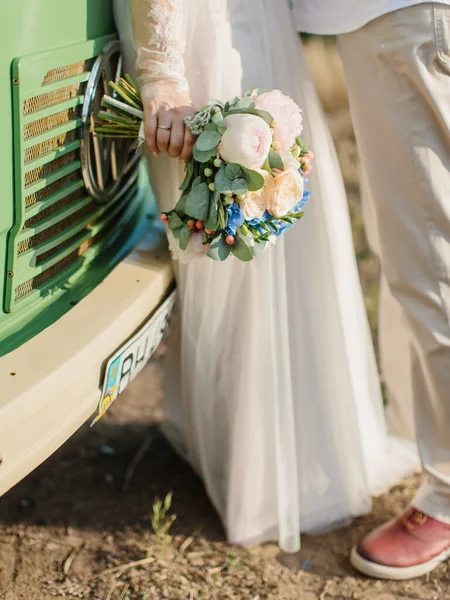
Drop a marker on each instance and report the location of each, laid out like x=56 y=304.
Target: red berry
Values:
x=163 y=217
x=209 y=232
x=230 y=240
x=200 y=225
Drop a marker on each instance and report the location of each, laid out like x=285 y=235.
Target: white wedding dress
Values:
x=272 y=390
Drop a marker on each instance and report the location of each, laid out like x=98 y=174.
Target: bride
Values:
x=272 y=391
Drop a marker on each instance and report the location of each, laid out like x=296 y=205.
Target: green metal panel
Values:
x=56 y=244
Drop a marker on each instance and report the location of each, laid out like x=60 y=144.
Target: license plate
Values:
x=132 y=357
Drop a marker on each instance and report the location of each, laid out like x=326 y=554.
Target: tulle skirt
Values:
x=272 y=390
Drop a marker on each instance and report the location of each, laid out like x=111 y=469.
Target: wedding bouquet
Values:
x=244 y=186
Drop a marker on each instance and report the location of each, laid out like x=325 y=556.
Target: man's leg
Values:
x=398 y=74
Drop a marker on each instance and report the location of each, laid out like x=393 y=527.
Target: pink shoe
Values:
x=409 y=546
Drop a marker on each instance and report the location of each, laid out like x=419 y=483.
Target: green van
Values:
x=85 y=279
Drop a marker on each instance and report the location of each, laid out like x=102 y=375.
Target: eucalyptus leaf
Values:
x=177 y=232
x=275 y=160
x=188 y=176
x=233 y=171
x=197 y=202
x=221 y=181
x=239 y=186
x=184 y=238
x=245 y=102
x=219 y=249
x=175 y=221
x=218 y=120
x=241 y=250
x=204 y=157
x=212 y=222
x=252 y=111
x=180 y=208
x=255 y=181
x=210 y=127
x=208 y=140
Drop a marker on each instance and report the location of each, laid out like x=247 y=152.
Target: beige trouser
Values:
x=398 y=74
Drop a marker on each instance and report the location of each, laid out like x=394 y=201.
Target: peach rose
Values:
x=254 y=204
x=287 y=115
x=288 y=190
x=246 y=142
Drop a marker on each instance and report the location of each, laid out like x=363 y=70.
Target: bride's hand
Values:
x=165 y=109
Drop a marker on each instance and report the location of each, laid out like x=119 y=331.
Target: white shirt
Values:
x=342 y=16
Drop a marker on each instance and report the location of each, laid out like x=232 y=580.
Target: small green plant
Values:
x=162 y=521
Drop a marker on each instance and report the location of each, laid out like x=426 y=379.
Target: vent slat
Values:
x=52 y=133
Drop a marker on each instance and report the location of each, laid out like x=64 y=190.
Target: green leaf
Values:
x=252 y=111
x=184 y=238
x=241 y=250
x=275 y=160
x=204 y=157
x=180 y=208
x=233 y=171
x=212 y=222
x=197 y=202
x=210 y=127
x=258 y=91
x=245 y=102
x=239 y=186
x=177 y=232
x=223 y=217
x=188 y=176
x=219 y=120
x=255 y=181
x=219 y=249
x=221 y=181
x=175 y=221
x=208 y=140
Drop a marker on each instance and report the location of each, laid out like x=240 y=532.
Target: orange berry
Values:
x=200 y=225
x=191 y=224
x=209 y=232
x=163 y=218
x=230 y=240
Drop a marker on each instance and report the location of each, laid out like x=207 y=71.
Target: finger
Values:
x=176 y=138
x=150 y=132
x=189 y=142
x=163 y=135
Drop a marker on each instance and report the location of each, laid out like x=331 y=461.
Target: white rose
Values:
x=288 y=191
x=246 y=141
x=254 y=204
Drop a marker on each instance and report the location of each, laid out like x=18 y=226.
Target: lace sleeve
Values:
x=159 y=32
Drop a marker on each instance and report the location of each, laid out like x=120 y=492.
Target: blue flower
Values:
x=301 y=204
x=235 y=218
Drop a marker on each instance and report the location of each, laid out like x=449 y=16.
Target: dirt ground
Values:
x=85 y=524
